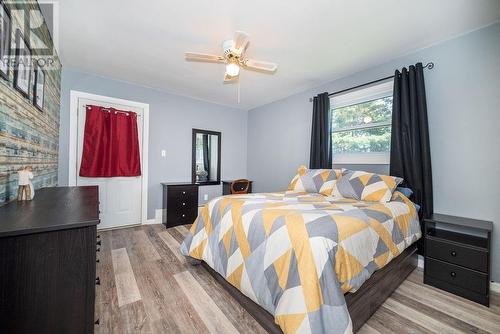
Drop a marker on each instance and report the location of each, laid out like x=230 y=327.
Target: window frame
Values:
x=362 y=95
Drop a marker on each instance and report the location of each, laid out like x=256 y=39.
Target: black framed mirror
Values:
x=205 y=165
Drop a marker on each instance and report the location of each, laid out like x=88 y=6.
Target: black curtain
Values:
x=206 y=155
x=410 y=149
x=321 y=137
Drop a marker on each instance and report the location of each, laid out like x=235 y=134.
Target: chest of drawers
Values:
x=48 y=262
x=180 y=203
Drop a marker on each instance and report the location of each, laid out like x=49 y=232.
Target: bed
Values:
x=301 y=257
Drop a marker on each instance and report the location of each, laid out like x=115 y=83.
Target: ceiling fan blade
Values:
x=241 y=40
x=194 y=56
x=258 y=65
x=230 y=79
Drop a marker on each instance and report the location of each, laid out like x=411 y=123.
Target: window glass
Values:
x=361 y=124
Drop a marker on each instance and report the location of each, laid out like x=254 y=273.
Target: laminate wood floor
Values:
x=148 y=287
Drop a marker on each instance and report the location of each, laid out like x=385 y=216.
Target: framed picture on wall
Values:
x=22 y=69
x=5 y=37
x=39 y=88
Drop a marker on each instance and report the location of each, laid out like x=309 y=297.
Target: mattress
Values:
x=296 y=254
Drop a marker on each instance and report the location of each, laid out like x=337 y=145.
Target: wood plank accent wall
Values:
x=28 y=136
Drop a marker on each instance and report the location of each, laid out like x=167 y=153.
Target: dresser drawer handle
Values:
x=453 y=274
x=453 y=253
x=184 y=193
x=183 y=203
x=183 y=215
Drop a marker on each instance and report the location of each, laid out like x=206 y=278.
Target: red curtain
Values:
x=110 y=143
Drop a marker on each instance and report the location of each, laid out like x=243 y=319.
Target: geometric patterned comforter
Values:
x=296 y=254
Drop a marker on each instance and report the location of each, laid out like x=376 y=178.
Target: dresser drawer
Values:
x=176 y=216
x=182 y=202
x=457 y=254
x=183 y=192
x=456 y=275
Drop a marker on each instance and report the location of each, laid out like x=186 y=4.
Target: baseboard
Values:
x=495 y=287
x=147 y=222
x=420 y=263
x=159 y=213
x=116 y=227
x=151 y=222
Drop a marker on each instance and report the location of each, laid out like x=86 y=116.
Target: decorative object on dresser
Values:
x=48 y=262
x=25 y=190
x=180 y=201
x=457 y=256
x=240 y=186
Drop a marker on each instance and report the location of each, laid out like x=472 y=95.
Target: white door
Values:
x=120 y=197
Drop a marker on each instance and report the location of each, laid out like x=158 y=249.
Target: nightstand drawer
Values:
x=178 y=216
x=456 y=275
x=183 y=203
x=187 y=191
x=457 y=254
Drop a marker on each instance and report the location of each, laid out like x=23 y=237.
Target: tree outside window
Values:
x=363 y=127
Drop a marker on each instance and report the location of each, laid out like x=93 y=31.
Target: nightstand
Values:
x=457 y=256
x=180 y=203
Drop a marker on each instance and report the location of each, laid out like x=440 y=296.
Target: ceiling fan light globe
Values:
x=232 y=69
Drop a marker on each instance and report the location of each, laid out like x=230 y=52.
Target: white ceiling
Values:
x=312 y=41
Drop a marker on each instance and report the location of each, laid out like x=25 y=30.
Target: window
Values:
x=361 y=125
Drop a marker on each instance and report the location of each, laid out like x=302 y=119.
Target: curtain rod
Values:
x=116 y=110
x=429 y=66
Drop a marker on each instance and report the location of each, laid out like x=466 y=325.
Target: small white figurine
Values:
x=25 y=191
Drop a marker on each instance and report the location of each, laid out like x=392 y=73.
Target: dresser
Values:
x=48 y=262
x=180 y=203
x=457 y=256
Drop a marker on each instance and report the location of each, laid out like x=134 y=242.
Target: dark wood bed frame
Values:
x=361 y=304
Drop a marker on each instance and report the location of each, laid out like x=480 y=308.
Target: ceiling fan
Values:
x=234 y=58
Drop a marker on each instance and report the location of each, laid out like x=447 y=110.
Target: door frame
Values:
x=73 y=138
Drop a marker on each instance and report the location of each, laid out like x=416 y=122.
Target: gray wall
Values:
x=171 y=120
x=463 y=99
